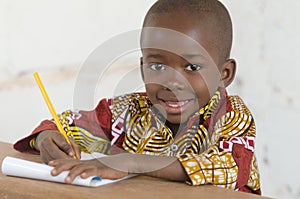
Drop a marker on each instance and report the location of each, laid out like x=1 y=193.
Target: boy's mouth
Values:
x=175 y=107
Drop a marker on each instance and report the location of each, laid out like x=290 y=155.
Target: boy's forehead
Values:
x=181 y=33
x=172 y=41
x=194 y=26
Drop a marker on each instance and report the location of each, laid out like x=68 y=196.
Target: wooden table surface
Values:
x=140 y=187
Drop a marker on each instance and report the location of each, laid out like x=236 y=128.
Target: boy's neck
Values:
x=175 y=128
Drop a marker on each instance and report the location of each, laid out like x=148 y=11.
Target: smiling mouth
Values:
x=177 y=104
x=175 y=107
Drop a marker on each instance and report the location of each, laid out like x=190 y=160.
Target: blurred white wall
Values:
x=56 y=37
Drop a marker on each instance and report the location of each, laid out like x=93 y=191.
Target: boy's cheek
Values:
x=151 y=90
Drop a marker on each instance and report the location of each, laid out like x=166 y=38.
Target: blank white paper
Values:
x=27 y=169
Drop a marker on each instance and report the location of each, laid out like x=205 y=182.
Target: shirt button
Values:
x=174 y=147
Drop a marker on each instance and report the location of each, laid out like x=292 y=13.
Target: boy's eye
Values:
x=157 y=66
x=193 y=67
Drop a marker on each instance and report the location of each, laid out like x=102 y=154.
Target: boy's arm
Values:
x=174 y=172
x=26 y=144
x=95 y=124
x=165 y=167
x=230 y=161
x=118 y=166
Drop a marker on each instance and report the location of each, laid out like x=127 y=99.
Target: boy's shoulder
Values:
x=237 y=121
x=238 y=104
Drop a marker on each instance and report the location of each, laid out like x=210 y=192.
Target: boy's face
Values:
x=179 y=68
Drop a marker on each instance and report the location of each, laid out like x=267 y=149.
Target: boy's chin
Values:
x=177 y=120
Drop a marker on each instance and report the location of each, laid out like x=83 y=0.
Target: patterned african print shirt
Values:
x=216 y=146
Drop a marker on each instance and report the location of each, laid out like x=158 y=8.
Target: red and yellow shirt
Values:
x=216 y=145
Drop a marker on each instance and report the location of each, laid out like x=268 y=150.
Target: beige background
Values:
x=56 y=37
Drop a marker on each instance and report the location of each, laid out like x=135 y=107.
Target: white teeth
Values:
x=177 y=104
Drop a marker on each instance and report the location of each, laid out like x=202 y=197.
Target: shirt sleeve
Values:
x=90 y=129
x=229 y=162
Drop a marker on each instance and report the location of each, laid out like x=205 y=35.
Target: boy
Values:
x=184 y=128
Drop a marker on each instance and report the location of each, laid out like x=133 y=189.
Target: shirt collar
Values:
x=207 y=111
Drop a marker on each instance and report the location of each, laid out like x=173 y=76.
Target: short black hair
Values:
x=199 y=8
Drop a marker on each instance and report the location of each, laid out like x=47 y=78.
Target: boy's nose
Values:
x=173 y=86
x=174 y=81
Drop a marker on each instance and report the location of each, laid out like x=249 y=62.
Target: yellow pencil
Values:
x=51 y=109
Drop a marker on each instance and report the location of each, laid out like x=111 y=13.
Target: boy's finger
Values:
x=89 y=172
x=76 y=171
x=51 y=152
x=55 y=152
x=45 y=156
x=63 y=165
x=76 y=148
x=62 y=143
x=52 y=163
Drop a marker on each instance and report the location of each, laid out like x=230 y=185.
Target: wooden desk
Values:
x=137 y=187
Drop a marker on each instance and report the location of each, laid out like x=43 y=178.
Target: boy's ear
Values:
x=228 y=70
x=141 y=68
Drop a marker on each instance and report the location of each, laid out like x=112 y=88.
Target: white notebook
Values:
x=27 y=169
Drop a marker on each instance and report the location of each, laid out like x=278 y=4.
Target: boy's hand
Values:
x=53 y=145
x=85 y=169
x=118 y=166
